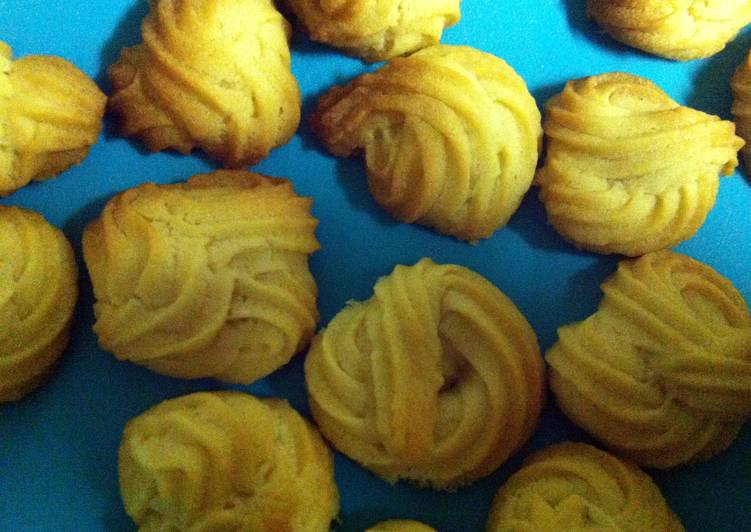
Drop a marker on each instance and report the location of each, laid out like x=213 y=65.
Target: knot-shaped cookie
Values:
x=400 y=525
x=628 y=170
x=577 y=487
x=210 y=74
x=661 y=373
x=437 y=378
x=50 y=115
x=38 y=291
x=226 y=461
x=376 y=30
x=207 y=278
x=450 y=136
x=674 y=29
x=741 y=109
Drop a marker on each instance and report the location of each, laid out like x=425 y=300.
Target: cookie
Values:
x=628 y=170
x=209 y=74
x=450 y=137
x=376 y=30
x=661 y=373
x=574 y=486
x=436 y=379
x=38 y=291
x=674 y=29
x=226 y=461
x=741 y=109
x=50 y=115
x=207 y=278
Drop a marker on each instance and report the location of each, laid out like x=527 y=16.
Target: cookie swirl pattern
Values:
x=450 y=136
x=437 y=378
x=38 y=291
x=376 y=30
x=674 y=29
x=213 y=74
x=661 y=373
x=50 y=115
x=628 y=170
x=207 y=278
x=574 y=486
x=226 y=461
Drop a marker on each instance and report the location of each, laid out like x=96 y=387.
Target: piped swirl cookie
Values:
x=38 y=291
x=661 y=373
x=574 y=486
x=674 y=29
x=207 y=278
x=450 y=137
x=741 y=109
x=50 y=115
x=376 y=30
x=226 y=461
x=210 y=74
x=436 y=379
x=400 y=525
x=628 y=170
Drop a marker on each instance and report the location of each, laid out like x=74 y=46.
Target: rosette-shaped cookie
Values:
x=226 y=461
x=207 y=278
x=628 y=170
x=675 y=29
x=38 y=291
x=212 y=74
x=450 y=136
x=399 y=525
x=574 y=486
x=661 y=373
x=436 y=379
x=741 y=86
x=376 y=30
x=50 y=115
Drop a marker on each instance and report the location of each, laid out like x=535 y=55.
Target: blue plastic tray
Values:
x=58 y=446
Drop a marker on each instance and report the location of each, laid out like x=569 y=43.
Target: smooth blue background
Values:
x=58 y=446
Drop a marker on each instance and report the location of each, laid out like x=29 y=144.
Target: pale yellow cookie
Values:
x=38 y=291
x=210 y=74
x=661 y=373
x=376 y=30
x=226 y=461
x=674 y=29
x=741 y=109
x=436 y=379
x=50 y=115
x=450 y=137
x=628 y=170
x=576 y=487
x=400 y=525
x=207 y=278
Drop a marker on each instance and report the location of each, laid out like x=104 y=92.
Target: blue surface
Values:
x=58 y=446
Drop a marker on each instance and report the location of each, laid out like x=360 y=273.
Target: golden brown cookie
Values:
x=400 y=525
x=741 y=86
x=675 y=29
x=436 y=379
x=207 y=278
x=226 y=461
x=628 y=170
x=661 y=373
x=450 y=137
x=210 y=74
x=38 y=291
x=376 y=30
x=576 y=487
x=50 y=115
